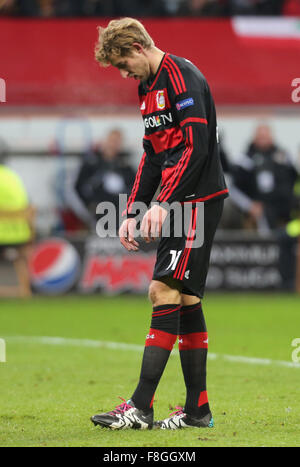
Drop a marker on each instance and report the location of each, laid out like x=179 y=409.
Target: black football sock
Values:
x=193 y=344
x=159 y=343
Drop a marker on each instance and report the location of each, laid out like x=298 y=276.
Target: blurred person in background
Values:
x=103 y=175
x=31 y=8
x=263 y=187
x=16 y=227
x=73 y=8
x=255 y=7
x=201 y=8
x=266 y=176
x=232 y=218
x=47 y=8
x=122 y=7
x=98 y=7
x=140 y=8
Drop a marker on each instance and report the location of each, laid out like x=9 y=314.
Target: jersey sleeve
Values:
x=189 y=93
x=146 y=181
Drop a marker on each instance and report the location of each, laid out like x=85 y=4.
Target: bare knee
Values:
x=161 y=293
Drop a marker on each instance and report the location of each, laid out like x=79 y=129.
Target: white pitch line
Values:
x=66 y=341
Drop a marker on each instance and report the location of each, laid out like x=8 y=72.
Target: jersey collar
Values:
x=151 y=83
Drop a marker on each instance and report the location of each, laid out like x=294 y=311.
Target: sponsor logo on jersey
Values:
x=158 y=120
x=185 y=103
x=160 y=100
x=143 y=106
x=54 y=266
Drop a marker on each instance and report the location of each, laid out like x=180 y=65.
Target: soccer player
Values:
x=181 y=152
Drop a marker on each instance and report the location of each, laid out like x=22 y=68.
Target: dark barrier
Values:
x=102 y=265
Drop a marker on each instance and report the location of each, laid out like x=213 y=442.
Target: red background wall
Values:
x=51 y=62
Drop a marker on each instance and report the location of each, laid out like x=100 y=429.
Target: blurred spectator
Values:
x=143 y=8
x=231 y=217
x=263 y=187
x=201 y=8
x=266 y=176
x=171 y=6
x=65 y=8
x=140 y=8
x=98 y=7
x=104 y=174
x=255 y=7
x=16 y=228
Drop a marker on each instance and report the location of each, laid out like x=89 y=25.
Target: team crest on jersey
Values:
x=160 y=100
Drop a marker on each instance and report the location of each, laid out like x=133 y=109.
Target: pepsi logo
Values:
x=54 y=266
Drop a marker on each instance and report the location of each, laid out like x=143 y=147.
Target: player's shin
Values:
x=193 y=344
x=159 y=343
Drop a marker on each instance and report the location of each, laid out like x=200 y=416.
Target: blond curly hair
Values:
x=117 y=38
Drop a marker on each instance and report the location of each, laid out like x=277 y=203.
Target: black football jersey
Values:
x=180 y=143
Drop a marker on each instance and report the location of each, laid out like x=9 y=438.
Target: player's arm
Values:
x=146 y=182
x=188 y=99
x=145 y=185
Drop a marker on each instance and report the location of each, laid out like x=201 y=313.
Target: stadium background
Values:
x=56 y=103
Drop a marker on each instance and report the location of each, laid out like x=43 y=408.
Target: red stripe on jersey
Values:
x=166 y=139
x=173 y=182
x=163 y=193
x=160 y=339
x=205 y=198
x=149 y=102
x=194 y=340
x=175 y=87
x=170 y=60
x=158 y=72
x=193 y=120
x=136 y=183
x=175 y=75
x=185 y=163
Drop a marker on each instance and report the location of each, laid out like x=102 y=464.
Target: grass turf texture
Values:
x=49 y=392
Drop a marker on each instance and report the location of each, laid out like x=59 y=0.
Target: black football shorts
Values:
x=186 y=257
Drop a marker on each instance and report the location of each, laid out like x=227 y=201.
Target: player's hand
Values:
x=126 y=234
x=152 y=223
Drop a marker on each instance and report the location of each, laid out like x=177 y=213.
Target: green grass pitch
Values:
x=50 y=388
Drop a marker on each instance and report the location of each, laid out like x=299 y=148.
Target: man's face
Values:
x=263 y=138
x=134 y=66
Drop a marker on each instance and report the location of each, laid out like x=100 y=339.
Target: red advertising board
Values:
x=52 y=62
